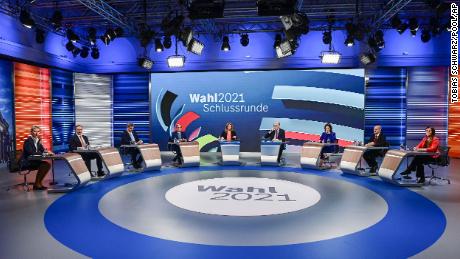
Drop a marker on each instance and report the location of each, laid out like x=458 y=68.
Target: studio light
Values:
x=426 y=36
x=176 y=61
x=330 y=57
x=284 y=49
x=186 y=36
x=84 y=52
x=158 y=46
x=277 y=41
x=56 y=20
x=119 y=32
x=69 y=46
x=95 y=53
x=395 y=22
x=167 y=43
x=26 y=20
x=195 y=47
x=111 y=34
x=244 y=40
x=327 y=37
x=39 y=36
x=225 y=44
x=349 y=41
x=75 y=52
x=379 y=39
x=402 y=28
x=367 y=58
x=105 y=39
x=72 y=36
x=145 y=63
x=413 y=26
x=92 y=36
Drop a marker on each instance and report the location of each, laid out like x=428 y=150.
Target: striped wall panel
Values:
x=32 y=97
x=6 y=110
x=426 y=103
x=454 y=128
x=63 y=108
x=385 y=103
x=131 y=104
x=93 y=107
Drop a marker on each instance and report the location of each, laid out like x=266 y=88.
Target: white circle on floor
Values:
x=242 y=196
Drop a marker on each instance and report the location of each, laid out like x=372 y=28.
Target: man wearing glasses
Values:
x=178 y=136
x=130 y=137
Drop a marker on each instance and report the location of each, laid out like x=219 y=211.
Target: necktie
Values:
x=82 y=141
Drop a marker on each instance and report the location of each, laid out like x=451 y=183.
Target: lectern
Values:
x=190 y=153
x=230 y=152
x=269 y=151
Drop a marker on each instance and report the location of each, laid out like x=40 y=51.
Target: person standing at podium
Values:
x=277 y=134
x=178 y=136
x=377 y=140
x=80 y=140
x=229 y=132
x=129 y=137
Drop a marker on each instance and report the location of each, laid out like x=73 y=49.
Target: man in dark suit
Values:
x=277 y=134
x=129 y=137
x=80 y=140
x=376 y=140
x=33 y=146
x=178 y=136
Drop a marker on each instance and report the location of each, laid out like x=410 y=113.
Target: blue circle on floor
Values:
x=412 y=224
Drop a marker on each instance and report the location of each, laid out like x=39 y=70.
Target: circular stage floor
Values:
x=244 y=212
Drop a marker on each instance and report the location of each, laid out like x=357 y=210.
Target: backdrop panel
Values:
x=131 y=104
x=302 y=100
x=32 y=102
x=6 y=110
x=93 y=107
x=427 y=103
x=63 y=108
x=386 y=103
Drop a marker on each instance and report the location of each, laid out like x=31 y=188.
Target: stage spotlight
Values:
x=285 y=49
x=167 y=43
x=146 y=36
x=413 y=26
x=176 y=61
x=327 y=37
x=330 y=57
x=186 y=36
x=26 y=20
x=92 y=36
x=75 y=52
x=158 y=46
x=372 y=43
x=195 y=46
x=359 y=31
x=95 y=53
x=84 y=52
x=277 y=41
x=56 y=20
x=426 y=36
x=145 y=63
x=111 y=34
x=106 y=39
x=69 y=46
x=395 y=22
x=402 y=28
x=225 y=44
x=72 y=36
x=39 y=36
x=349 y=41
x=119 y=32
x=368 y=58
x=380 y=42
x=244 y=40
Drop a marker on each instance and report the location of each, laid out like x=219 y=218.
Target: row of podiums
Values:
x=351 y=161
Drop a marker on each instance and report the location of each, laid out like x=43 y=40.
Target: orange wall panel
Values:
x=32 y=102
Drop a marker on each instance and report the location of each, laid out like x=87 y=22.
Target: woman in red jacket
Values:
x=430 y=143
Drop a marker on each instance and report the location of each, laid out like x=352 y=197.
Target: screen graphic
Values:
x=301 y=100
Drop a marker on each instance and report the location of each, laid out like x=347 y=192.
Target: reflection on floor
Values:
x=24 y=235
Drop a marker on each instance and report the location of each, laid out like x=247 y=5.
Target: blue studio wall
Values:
x=6 y=110
x=63 y=109
x=131 y=104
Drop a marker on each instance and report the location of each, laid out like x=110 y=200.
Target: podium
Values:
x=112 y=160
x=352 y=160
x=78 y=169
x=269 y=151
x=150 y=153
x=190 y=153
x=230 y=152
x=310 y=156
x=392 y=166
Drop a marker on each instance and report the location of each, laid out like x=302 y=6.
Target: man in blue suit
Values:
x=129 y=137
x=178 y=136
x=277 y=134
